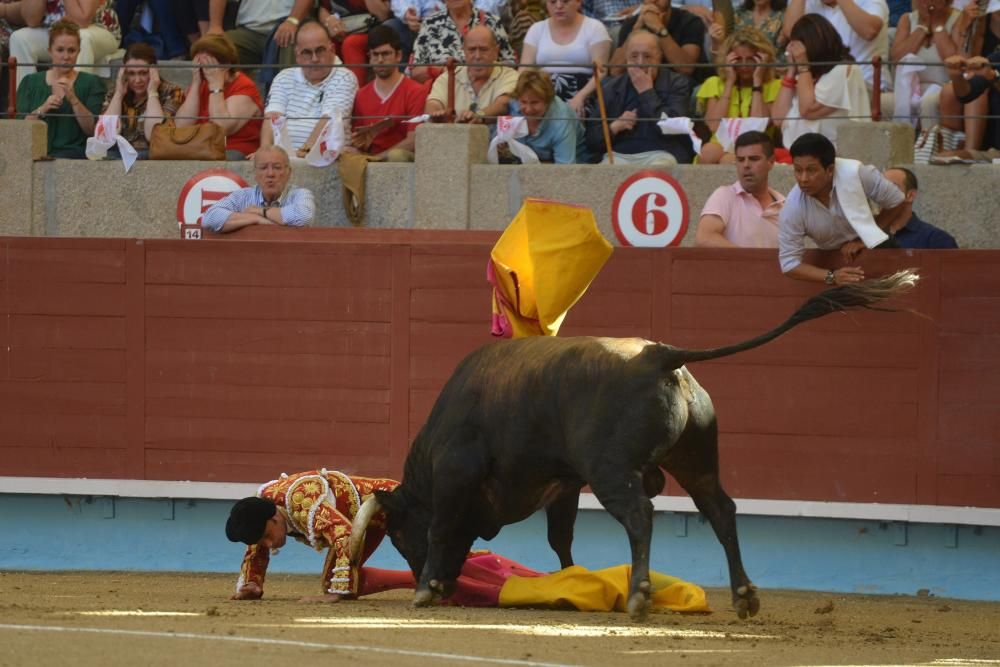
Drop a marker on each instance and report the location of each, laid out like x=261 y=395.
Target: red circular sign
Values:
x=203 y=190
x=650 y=210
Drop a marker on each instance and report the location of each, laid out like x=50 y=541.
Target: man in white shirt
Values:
x=310 y=95
x=744 y=214
x=830 y=205
x=862 y=24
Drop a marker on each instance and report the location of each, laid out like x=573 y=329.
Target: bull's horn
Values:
x=360 y=525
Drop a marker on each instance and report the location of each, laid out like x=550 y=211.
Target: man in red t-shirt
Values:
x=382 y=106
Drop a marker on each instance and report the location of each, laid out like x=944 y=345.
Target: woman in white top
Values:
x=819 y=98
x=567 y=44
x=930 y=33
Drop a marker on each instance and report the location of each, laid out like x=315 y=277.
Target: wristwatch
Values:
x=756 y=89
x=292 y=20
x=663 y=32
x=216 y=90
x=830 y=280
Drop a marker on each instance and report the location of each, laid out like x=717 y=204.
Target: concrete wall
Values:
x=449 y=187
x=851 y=556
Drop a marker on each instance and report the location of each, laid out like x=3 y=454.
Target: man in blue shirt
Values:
x=915 y=233
x=272 y=202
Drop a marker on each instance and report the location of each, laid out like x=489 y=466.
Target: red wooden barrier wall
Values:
x=231 y=361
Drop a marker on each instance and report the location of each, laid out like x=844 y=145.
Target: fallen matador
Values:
x=323 y=508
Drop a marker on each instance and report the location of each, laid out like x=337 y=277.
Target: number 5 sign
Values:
x=650 y=210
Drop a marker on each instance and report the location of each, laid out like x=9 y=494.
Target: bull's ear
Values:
x=391 y=501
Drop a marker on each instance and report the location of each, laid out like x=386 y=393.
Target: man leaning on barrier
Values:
x=271 y=202
x=830 y=205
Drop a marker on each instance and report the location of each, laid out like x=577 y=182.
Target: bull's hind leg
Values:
x=694 y=464
x=624 y=497
x=561 y=515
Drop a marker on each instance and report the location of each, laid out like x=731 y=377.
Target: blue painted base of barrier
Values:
x=49 y=532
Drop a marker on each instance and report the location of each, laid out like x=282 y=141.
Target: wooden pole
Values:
x=11 y=87
x=450 y=111
x=877 y=89
x=604 y=113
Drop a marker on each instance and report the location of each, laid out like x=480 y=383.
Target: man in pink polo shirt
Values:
x=744 y=214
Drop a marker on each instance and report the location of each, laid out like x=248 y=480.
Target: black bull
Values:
x=525 y=424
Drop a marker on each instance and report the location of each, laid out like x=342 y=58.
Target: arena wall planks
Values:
x=231 y=361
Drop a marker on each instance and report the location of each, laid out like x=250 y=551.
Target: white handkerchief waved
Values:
x=330 y=143
x=679 y=125
x=279 y=131
x=509 y=130
x=105 y=136
x=730 y=130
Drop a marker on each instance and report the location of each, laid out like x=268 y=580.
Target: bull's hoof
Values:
x=745 y=601
x=639 y=604
x=423 y=598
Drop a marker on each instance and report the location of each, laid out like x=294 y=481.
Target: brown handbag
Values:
x=205 y=141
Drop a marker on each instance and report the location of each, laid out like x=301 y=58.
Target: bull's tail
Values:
x=836 y=299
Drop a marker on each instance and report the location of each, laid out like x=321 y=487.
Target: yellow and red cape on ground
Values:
x=489 y=580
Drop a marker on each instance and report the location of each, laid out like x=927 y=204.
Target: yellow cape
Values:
x=542 y=265
x=599 y=590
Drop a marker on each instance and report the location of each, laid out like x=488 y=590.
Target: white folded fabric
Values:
x=854 y=202
x=730 y=130
x=105 y=136
x=329 y=145
x=509 y=130
x=679 y=125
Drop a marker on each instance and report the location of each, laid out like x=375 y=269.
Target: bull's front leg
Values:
x=448 y=536
x=625 y=499
x=446 y=553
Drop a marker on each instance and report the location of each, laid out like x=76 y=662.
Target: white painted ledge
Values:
x=138 y=488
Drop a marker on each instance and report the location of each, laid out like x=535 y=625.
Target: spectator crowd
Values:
x=784 y=67
x=593 y=80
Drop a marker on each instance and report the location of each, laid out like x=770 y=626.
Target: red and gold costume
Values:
x=319 y=507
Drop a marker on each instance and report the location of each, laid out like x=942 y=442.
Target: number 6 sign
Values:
x=650 y=210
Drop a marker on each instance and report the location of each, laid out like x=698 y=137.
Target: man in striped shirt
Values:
x=271 y=202
x=311 y=94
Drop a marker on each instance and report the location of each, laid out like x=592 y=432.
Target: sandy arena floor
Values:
x=141 y=619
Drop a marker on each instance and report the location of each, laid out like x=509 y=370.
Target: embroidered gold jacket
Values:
x=319 y=507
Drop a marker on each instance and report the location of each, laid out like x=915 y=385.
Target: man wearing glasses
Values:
x=309 y=95
x=382 y=107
